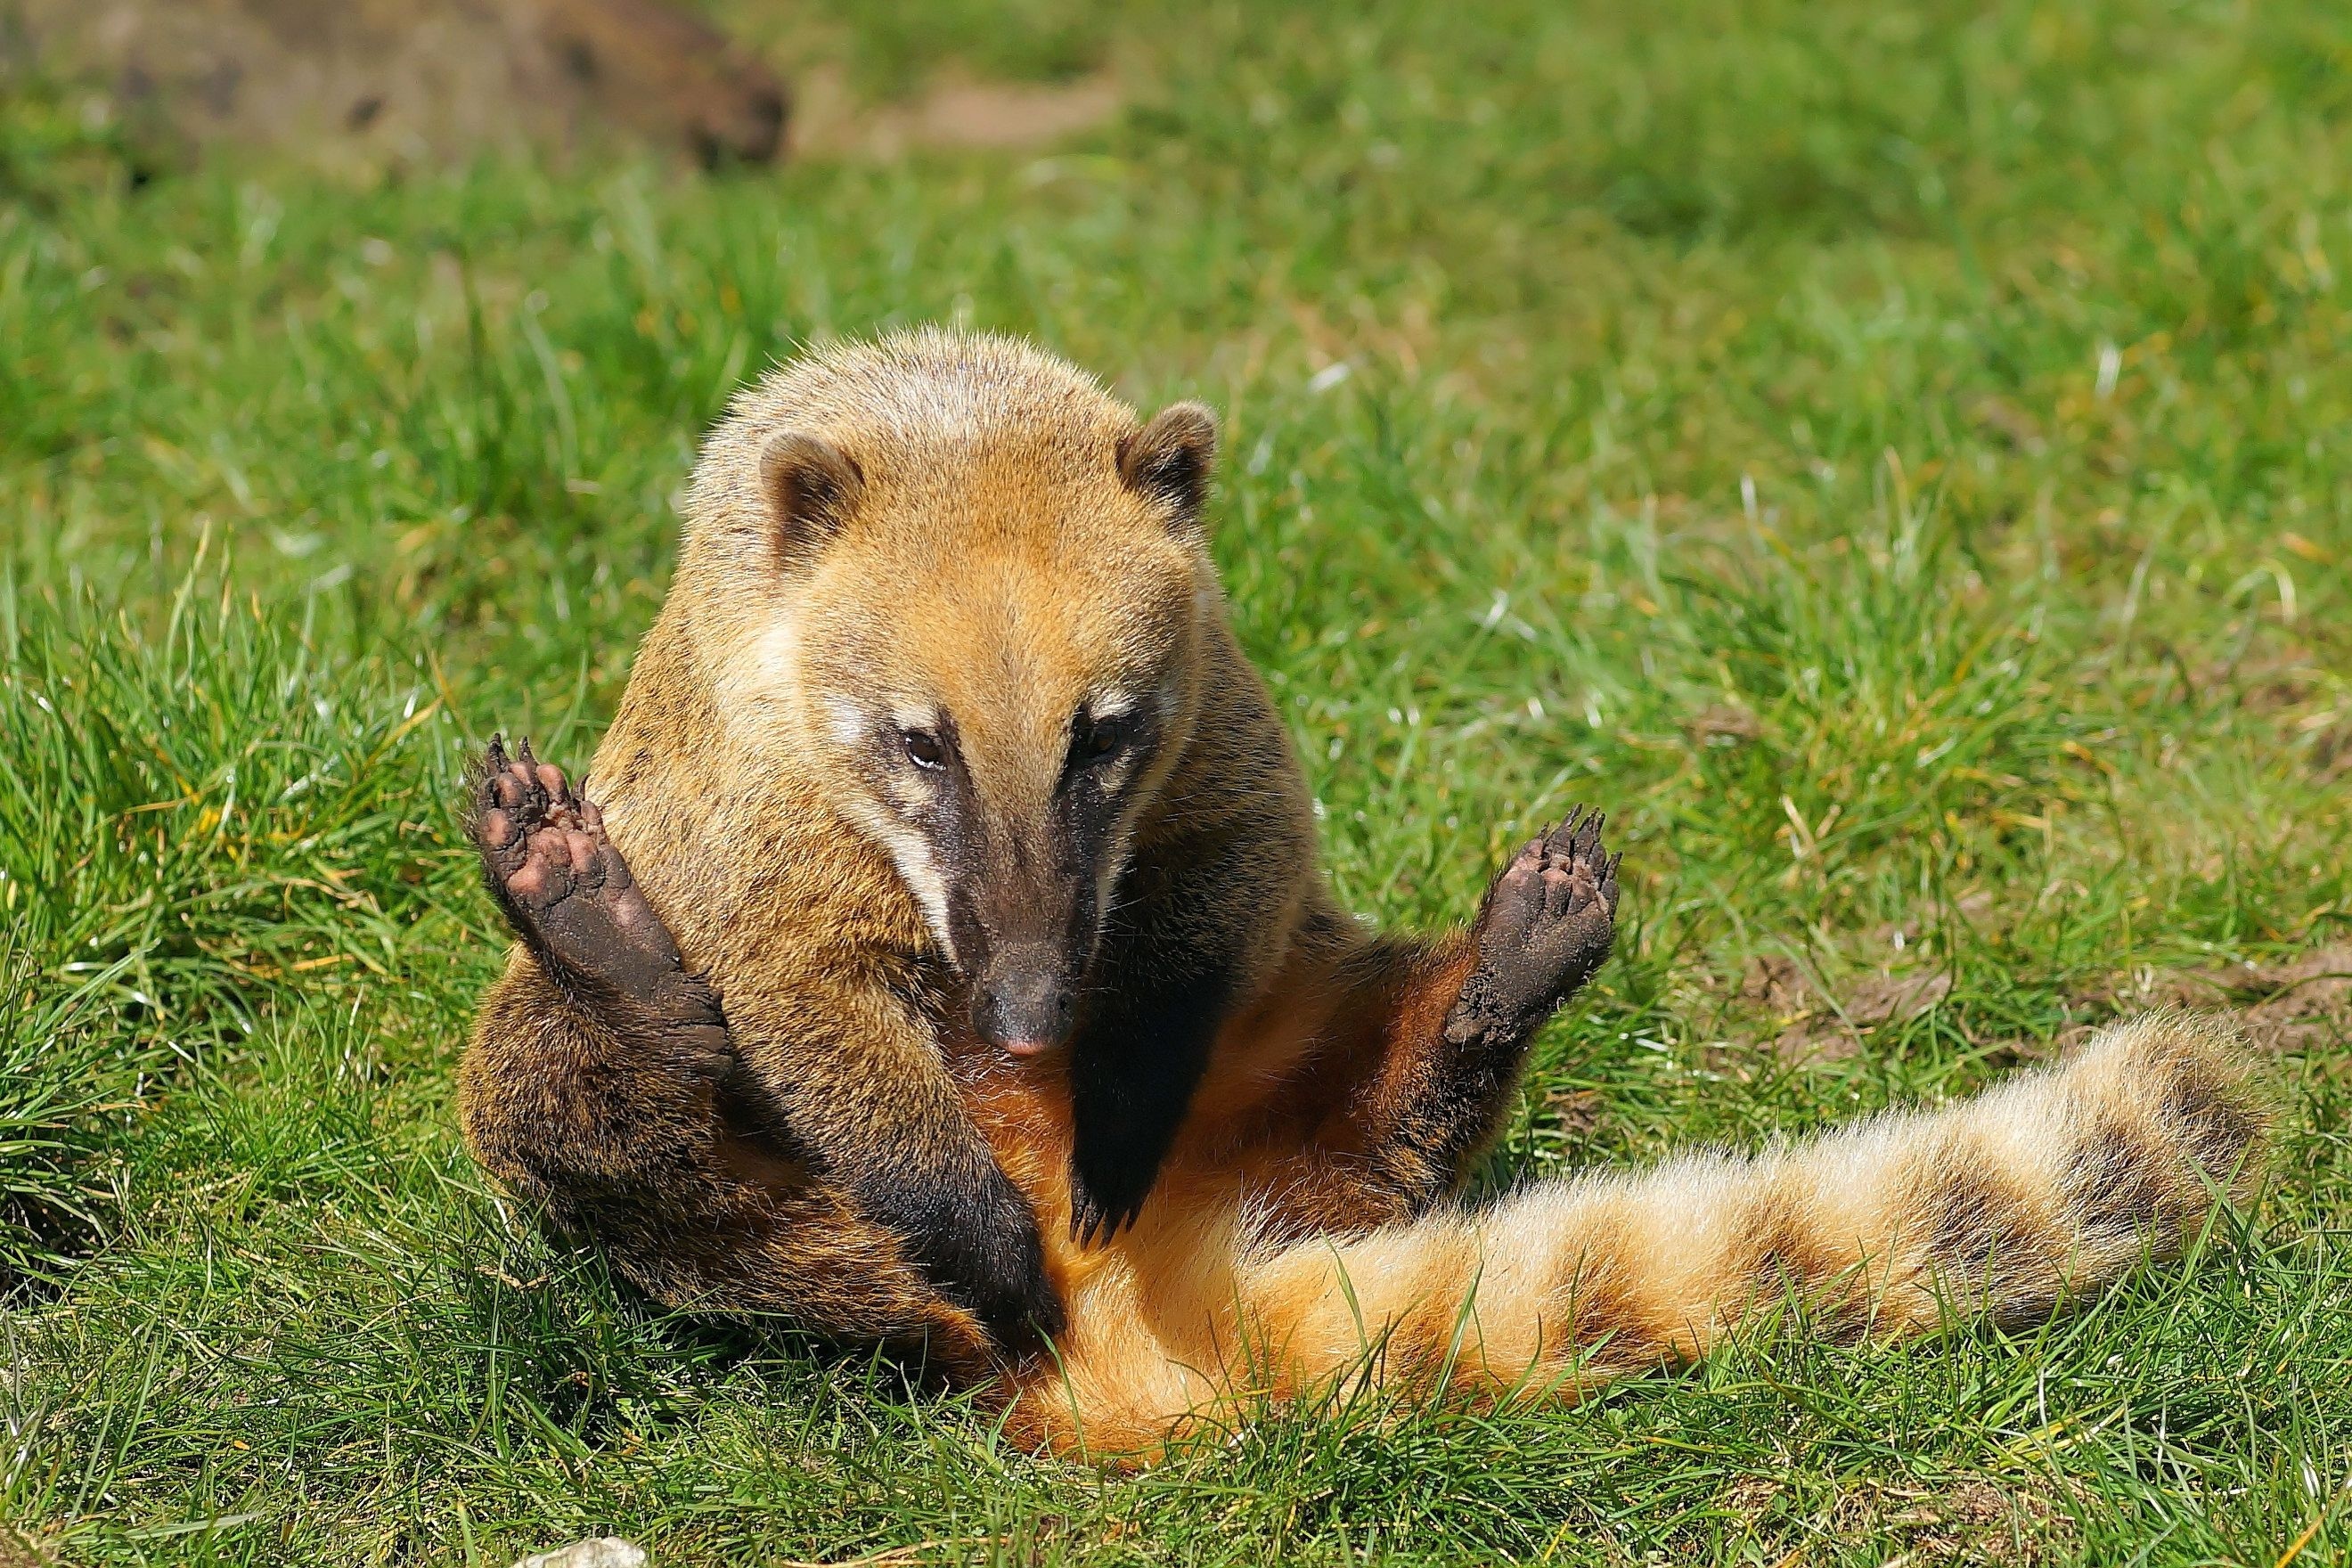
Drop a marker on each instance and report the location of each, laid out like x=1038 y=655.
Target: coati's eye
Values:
x=923 y=748
x=1097 y=739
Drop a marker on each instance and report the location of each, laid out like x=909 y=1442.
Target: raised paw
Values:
x=568 y=893
x=1545 y=926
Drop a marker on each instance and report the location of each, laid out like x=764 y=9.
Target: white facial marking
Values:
x=911 y=853
x=846 y=720
x=1107 y=870
x=1117 y=772
x=1113 y=705
x=911 y=791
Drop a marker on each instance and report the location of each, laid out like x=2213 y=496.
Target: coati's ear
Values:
x=810 y=486
x=1169 y=459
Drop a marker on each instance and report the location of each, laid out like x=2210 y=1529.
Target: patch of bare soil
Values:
x=1776 y=984
x=1814 y=1026
x=2297 y=1005
x=2294 y=1005
x=2331 y=745
x=20 y=1551
x=1726 y=724
x=1575 y=1111
x=1974 y=1521
x=411 y=78
x=954 y=111
x=2010 y=423
x=1964 y=1521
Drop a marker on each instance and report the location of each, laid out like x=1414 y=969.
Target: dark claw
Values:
x=1091 y=1224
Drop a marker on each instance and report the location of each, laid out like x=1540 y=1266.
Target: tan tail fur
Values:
x=2043 y=1189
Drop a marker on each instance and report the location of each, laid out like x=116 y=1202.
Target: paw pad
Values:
x=1546 y=925
x=561 y=882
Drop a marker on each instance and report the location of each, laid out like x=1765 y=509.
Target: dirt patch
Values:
x=1775 y=984
x=1892 y=998
x=377 y=78
x=1814 y=1026
x=1575 y=1111
x=1966 y=1519
x=1726 y=724
x=1976 y=1522
x=2331 y=746
x=2009 y=422
x=366 y=82
x=2290 y=678
x=20 y=1551
x=954 y=111
x=2293 y=1005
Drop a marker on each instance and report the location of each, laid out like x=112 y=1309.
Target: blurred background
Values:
x=1891 y=457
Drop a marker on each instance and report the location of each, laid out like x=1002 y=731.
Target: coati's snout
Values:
x=1027 y=1010
x=1015 y=850
x=1024 y=975
x=1024 y=890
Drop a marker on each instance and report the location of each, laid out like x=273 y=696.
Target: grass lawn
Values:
x=1896 y=459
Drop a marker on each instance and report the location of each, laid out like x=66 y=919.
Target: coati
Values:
x=941 y=957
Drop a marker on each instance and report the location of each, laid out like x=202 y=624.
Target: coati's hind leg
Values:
x=601 y=1084
x=1428 y=1040
x=1545 y=926
x=571 y=897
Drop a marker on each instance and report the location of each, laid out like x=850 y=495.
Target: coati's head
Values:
x=968 y=589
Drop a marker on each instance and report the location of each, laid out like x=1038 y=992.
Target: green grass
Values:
x=1894 y=459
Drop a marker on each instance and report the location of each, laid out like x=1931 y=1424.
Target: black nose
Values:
x=1024 y=1010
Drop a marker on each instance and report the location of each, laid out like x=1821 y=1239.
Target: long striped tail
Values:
x=2043 y=1189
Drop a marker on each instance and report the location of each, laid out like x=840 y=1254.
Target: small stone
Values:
x=604 y=1552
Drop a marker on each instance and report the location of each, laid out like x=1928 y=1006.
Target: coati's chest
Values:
x=1265 y=1085
x=813 y=939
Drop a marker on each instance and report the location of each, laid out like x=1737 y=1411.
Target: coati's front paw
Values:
x=571 y=898
x=974 y=1236
x=1545 y=926
x=1002 y=1273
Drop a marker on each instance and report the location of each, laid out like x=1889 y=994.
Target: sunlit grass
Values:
x=1892 y=461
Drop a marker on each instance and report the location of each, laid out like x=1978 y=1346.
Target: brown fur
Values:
x=996 y=535
x=699 y=1209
